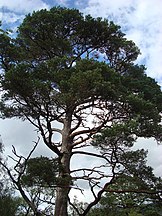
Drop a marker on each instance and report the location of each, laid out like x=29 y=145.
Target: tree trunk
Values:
x=63 y=189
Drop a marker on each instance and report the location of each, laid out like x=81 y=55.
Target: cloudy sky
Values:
x=141 y=20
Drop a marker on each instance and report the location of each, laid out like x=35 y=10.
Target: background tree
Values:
x=40 y=181
x=29 y=176
x=135 y=192
x=10 y=204
x=79 y=72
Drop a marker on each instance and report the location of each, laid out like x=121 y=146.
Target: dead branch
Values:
x=17 y=181
x=92 y=154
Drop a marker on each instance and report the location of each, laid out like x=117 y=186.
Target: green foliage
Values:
x=52 y=65
x=40 y=171
x=65 y=67
x=50 y=47
x=9 y=205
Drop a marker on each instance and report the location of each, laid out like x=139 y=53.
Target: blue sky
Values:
x=141 y=20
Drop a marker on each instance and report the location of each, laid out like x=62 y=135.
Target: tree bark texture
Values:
x=63 y=189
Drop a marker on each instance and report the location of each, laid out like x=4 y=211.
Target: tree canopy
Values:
x=78 y=71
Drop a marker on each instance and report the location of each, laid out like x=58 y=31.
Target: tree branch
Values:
x=98 y=197
x=133 y=191
x=17 y=182
x=92 y=154
x=49 y=143
x=57 y=130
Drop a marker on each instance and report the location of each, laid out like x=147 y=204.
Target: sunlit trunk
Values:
x=61 y=204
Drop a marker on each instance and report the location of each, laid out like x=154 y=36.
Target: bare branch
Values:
x=53 y=129
x=92 y=189
x=90 y=131
x=87 y=49
x=20 y=172
x=48 y=142
x=81 y=140
x=57 y=130
x=73 y=206
x=78 y=124
x=98 y=197
x=92 y=154
x=86 y=169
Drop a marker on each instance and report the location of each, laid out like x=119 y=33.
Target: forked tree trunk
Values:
x=63 y=189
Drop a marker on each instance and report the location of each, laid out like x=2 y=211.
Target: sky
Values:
x=140 y=20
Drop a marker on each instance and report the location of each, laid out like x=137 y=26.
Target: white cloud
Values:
x=24 y=6
x=22 y=136
x=10 y=17
x=141 y=21
x=154 y=158
x=62 y=2
x=13 y=12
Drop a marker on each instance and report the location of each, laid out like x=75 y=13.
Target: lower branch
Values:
x=25 y=197
x=19 y=173
x=98 y=197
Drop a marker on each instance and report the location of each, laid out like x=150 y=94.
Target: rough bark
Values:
x=61 y=204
